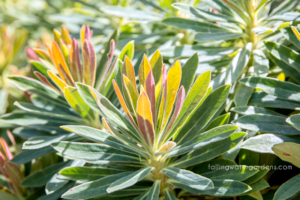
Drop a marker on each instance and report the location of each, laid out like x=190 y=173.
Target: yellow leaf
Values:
x=77 y=103
x=128 y=70
x=65 y=36
x=166 y=147
x=57 y=36
x=144 y=70
x=130 y=93
x=60 y=83
x=173 y=82
x=144 y=118
x=296 y=32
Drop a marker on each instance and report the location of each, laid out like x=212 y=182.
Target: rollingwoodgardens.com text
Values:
x=251 y=167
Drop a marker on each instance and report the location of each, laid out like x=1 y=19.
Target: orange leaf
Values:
x=61 y=65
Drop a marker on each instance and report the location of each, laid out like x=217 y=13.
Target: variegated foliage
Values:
x=166 y=139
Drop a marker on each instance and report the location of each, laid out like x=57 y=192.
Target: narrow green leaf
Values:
x=233 y=172
x=265 y=100
x=57 y=194
x=40 y=178
x=128 y=50
x=33 y=86
x=87 y=173
x=294 y=120
x=212 y=36
x=213 y=135
x=28 y=155
x=237 y=65
x=222 y=188
x=86 y=151
x=284 y=90
x=189 y=178
x=264 y=143
x=288 y=189
x=266 y=124
x=188 y=71
x=154 y=191
x=93 y=188
x=43 y=141
x=250 y=110
x=103 y=137
x=203 y=114
x=129 y=180
x=209 y=151
x=169 y=194
x=219 y=121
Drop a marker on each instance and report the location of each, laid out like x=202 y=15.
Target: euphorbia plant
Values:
x=168 y=127
x=55 y=100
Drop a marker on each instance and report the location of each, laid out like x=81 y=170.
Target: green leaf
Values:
x=40 y=178
x=209 y=151
x=261 y=173
x=257 y=186
x=193 y=25
x=34 y=109
x=250 y=110
x=93 y=188
x=266 y=123
x=4 y=100
x=213 y=36
x=85 y=174
x=188 y=71
x=264 y=143
x=28 y=155
x=189 y=178
x=57 y=194
x=128 y=50
x=154 y=191
x=27 y=133
x=169 y=194
x=213 y=135
x=289 y=152
x=242 y=95
x=219 y=121
x=102 y=63
x=261 y=63
x=290 y=36
x=294 y=120
x=284 y=90
x=212 y=165
x=86 y=151
x=222 y=188
x=193 y=100
x=288 y=189
x=103 y=137
x=33 y=86
x=129 y=180
x=233 y=172
x=87 y=94
x=43 y=141
x=129 y=12
x=237 y=65
x=7 y=196
x=203 y=114
x=78 y=104
x=265 y=100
